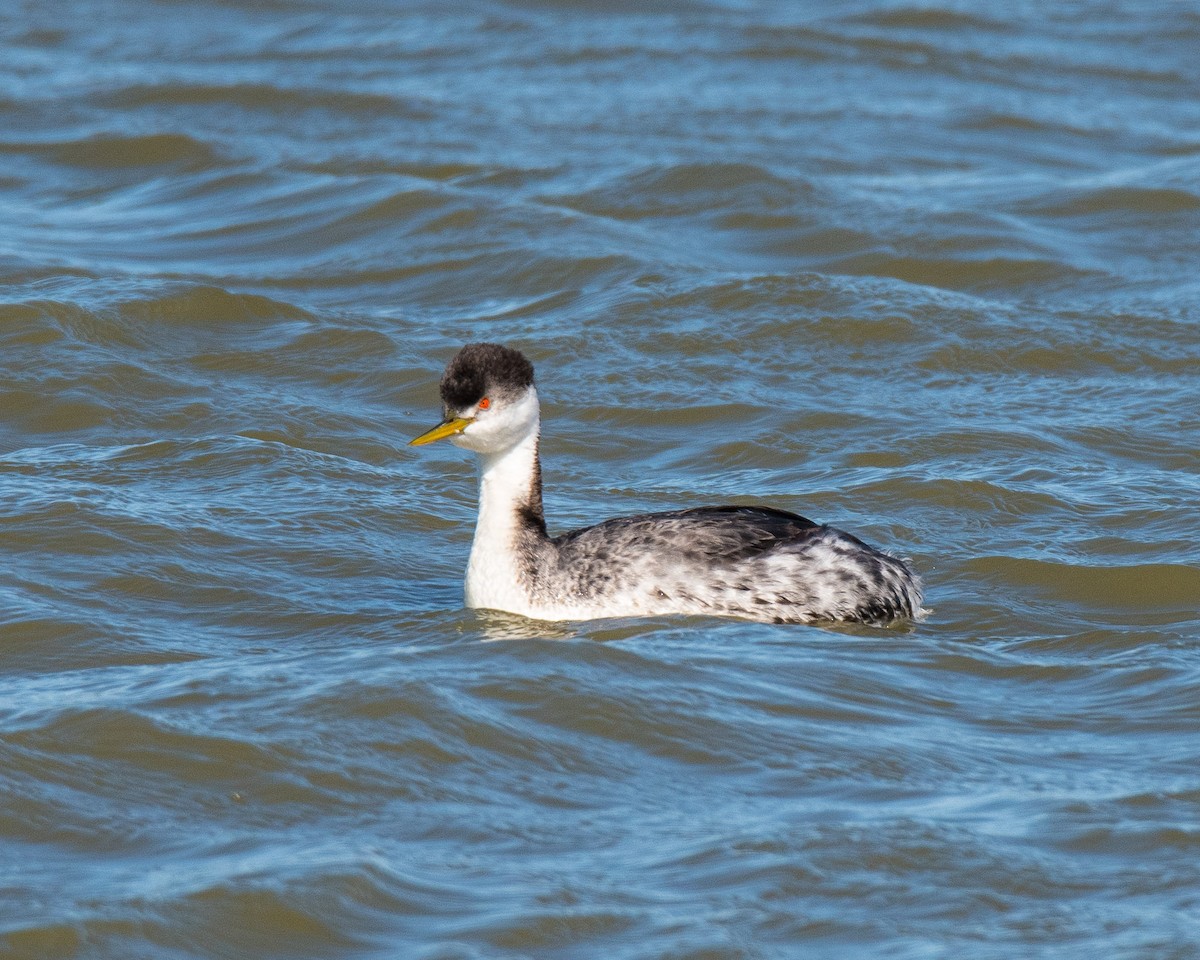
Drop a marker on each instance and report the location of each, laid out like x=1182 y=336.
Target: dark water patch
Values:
x=406 y=213
x=41 y=637
x=428 y=731
x=437 y=171
x=794 y=237
x=1014 y=68
x=181 y=587
x=987 y=274
x=26 y=637
x=506 y=178
x=686 y=190
x=347 y=357
x=347 y=907
x=989 y=120
x=37 y=323
x=669 y=730
x=675 y=418
x=403 y=205
x=837 y=876
x=65 y=414
x=1118 y=841
x=555 y=931
x=930 y=18
x=52 y=940
x=42 y=37
x=1148 y=201
x=267 y=98
x=1156 y=447
x=449 y=223
x=122 y=738
x=592 y=701
x=251 y=918
x=990 y=665
x=803 y=297
x=60 y=811
x=1181 y=146
x=211 y=306
x=519 y=273
x=624 y=7
x=756 y=222
x=789 y=332
x=1080 y=343
x=790 y=43
x=1144 y=594
x=1091 y=645
x=115 y=151
x=1057 y=357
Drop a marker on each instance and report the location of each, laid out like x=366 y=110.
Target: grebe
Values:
x=755 y=563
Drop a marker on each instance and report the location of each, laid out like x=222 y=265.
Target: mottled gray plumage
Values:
x=741 y=561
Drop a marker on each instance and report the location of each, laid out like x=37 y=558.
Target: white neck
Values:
x=495 y=579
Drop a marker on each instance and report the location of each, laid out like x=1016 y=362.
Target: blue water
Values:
x=926 y=272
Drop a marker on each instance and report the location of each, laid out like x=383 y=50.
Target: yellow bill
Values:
x=447 y=428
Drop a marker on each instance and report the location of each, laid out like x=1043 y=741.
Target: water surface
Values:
x=926 y=272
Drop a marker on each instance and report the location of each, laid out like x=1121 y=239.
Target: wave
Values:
x=265 y=97
x=116 y=151
x=1135 y=593
x=1131 y=200
x=690 y=189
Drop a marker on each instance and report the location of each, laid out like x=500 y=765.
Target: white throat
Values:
x=495 y=576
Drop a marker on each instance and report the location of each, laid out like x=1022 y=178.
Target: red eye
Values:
x=484 y=403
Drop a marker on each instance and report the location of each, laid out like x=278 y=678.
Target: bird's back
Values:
x=743 y=561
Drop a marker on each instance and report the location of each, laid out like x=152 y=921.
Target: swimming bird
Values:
x=756 y=563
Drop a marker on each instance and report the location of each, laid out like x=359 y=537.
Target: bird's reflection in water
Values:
x=497 y=625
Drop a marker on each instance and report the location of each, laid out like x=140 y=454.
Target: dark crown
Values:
x=482 y=368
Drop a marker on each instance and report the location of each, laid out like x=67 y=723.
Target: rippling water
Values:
x=927 y=272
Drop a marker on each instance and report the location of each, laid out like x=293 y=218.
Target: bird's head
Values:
x=489 y=403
